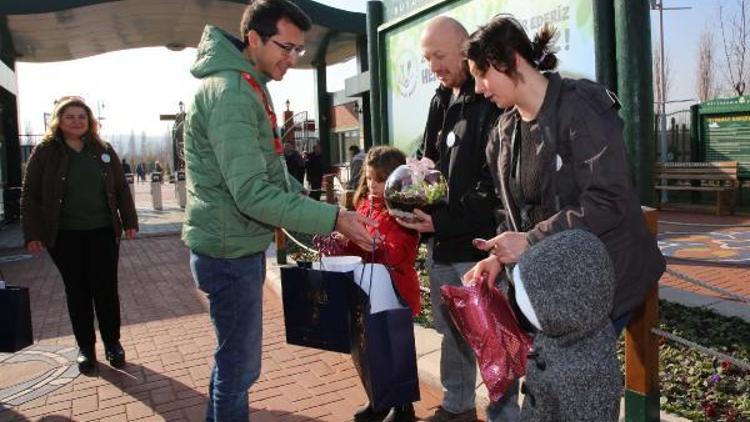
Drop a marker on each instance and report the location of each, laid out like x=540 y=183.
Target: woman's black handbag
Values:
x=15 y=319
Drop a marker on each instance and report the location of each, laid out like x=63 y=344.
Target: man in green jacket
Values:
x=239 y=189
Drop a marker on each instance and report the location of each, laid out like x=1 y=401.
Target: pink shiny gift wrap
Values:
x=484 y=317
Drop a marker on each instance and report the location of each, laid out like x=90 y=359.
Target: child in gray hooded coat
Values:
x=565 y=287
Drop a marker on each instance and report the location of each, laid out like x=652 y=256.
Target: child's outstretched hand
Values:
x=340 y=239
x=354 y=227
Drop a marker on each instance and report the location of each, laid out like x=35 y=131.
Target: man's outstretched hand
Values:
x=354 y=227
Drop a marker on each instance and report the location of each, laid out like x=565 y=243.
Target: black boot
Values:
x=403 y=413
x=367 y=414
x=86 y=360
x=115 y=354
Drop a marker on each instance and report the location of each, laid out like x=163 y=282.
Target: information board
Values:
x=726 y=137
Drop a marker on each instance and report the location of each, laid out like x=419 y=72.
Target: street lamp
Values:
x=99 y=117
x=47 y=116
x=659 y=5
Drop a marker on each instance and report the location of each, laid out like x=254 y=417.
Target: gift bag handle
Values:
x=372 y=271
x=305 y=247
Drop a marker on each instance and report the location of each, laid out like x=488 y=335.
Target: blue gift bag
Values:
x=383 y=348
x=316 y=308
x=15 y=319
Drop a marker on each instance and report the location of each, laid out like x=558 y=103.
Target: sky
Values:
x=131 y=88
x=682 y=33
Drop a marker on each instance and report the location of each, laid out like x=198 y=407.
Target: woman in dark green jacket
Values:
x=75 y=203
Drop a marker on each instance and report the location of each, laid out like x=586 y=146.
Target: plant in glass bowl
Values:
x=415 y=185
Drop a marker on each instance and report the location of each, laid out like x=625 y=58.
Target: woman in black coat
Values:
x=558 y=160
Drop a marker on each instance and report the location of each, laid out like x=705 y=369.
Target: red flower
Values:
x=709 y=408
x=731 y=414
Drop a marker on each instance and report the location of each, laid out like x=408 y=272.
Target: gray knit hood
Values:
x=570 y=281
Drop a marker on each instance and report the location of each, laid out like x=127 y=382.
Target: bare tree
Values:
x=735 y=37
x=131 y=145
x=145 y=150
x=705 y=83
x=28 y=137
x=657 y=76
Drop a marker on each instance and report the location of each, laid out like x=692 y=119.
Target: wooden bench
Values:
x=716 y=176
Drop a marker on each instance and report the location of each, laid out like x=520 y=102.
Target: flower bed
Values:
x=697 y=386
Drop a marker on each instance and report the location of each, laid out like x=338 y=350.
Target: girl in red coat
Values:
x=397 y=250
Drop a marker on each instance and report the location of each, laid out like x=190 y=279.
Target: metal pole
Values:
x=99 y=118
x=663 y=88
x=663 y=93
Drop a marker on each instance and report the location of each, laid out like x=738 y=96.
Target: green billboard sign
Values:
x=394 y=9
x=410 y=84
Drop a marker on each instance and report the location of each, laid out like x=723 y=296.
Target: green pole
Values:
x=604 y=36
x=695 y=133
x=323 y=101
x=635 y=89
x=10 y=147
x=364 y=66
x=632 y=23
x=374 y=19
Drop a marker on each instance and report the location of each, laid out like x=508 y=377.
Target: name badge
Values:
x=450 y=140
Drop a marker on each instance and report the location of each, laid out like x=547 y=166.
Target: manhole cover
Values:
x=35 y=372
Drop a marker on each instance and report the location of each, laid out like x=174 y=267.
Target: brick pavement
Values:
x=169 y=341
x=732 y=277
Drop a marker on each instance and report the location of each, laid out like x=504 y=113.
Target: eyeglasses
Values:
x=290 y=49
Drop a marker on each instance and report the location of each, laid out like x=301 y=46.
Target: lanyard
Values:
x=271 y=115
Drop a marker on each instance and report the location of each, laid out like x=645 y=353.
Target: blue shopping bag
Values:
x=316 y=308
x=382 y=347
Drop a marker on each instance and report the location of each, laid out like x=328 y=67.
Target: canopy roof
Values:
x=55 y=30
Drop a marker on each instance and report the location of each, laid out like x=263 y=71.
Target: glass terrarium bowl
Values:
x=414 y=185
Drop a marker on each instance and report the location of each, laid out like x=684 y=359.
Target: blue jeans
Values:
x=458 y=367
x=235 y=294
